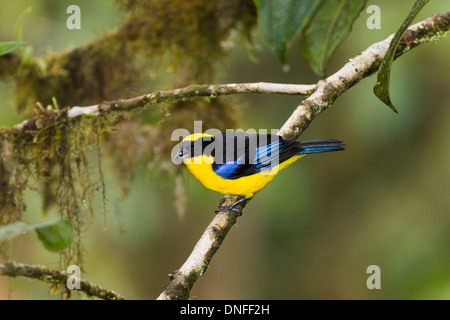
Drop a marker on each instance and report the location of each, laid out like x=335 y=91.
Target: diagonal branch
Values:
x=57 y=277
x=358 y=68
x=327 y=91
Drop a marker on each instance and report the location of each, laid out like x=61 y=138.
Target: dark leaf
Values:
x=381 y=88
x=282 y=21
x=329 y=28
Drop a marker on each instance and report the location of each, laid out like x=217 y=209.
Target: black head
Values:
x=194 y=145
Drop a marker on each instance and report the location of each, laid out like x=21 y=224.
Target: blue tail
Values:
x=318 y=146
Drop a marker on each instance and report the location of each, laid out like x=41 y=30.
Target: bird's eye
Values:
x=180 y=153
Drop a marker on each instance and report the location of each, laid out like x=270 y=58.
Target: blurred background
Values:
x=312 y=233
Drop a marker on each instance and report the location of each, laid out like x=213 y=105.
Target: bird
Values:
x=240 y=163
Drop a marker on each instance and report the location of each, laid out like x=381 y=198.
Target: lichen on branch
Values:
x=49 y=153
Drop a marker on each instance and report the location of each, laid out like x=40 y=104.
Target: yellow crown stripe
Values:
x=196 y=136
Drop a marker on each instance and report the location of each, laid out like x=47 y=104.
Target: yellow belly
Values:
x=201 y=169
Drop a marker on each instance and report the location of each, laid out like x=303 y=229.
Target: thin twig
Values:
x=327 y=91
x=56 y=277
x=191 y=91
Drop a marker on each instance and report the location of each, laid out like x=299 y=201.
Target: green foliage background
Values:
x=317 y=227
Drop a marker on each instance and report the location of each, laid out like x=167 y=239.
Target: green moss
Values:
x=53 y=160
x=49 y=155
x=186 y=36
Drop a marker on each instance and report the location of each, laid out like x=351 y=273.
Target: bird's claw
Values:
x=232 y=207
x=228 y=208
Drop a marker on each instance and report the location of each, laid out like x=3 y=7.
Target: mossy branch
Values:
x=55 y=277
x=117 y=62
x=327 y=91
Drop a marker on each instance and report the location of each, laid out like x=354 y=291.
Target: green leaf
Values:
x=56 y=237
x=381 y=88
x=55 y=234
x=282 y=21
x=9 y=46
x=13 y=230
x=329 y=28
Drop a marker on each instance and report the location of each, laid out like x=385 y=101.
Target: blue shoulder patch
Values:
x=227 y=169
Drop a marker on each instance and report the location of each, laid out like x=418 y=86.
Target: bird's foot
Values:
x=228 y=208
x=232 y=207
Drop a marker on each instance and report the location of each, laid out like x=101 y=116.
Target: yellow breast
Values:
x=201 y=169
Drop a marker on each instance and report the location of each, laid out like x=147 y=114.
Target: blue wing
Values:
x=269 y=151
x=262 y=152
